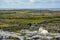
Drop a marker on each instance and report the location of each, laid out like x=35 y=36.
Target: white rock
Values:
x=43 y=31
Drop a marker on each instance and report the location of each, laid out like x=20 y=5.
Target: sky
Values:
x=29 y=4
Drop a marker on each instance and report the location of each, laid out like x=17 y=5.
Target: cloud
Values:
x=29 y=3
x=32 y=1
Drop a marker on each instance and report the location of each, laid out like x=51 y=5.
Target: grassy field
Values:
x=18 y=18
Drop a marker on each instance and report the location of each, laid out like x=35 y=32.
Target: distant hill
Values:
x=32 y=12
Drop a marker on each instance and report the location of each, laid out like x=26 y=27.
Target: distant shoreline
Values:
x=52 y=9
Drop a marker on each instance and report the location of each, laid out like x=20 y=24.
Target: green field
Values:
x=23 y=18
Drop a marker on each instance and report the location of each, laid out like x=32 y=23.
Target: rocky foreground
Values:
x=29 y=35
